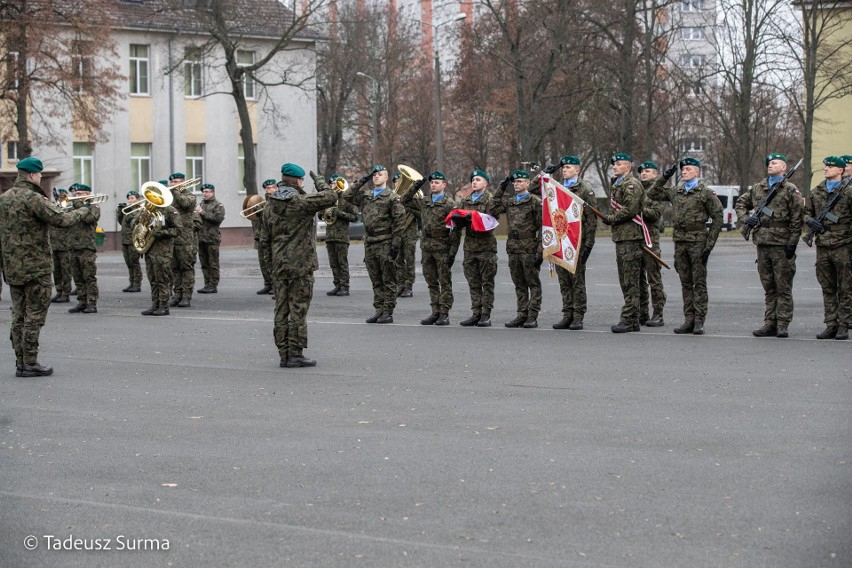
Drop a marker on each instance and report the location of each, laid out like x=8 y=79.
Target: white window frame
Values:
x=693 y=145
x=140 y=164
x=241 y=165
x=84 y=161
x=692 y=5
x=694 y=33
x=193 y=78
x=140 y=71
x=695 y=61
x=195 y=164
x=249 y=85
x=12 y=151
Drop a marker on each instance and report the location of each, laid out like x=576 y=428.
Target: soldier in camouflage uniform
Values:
x=25 y=260
x=776 y=239
x=210 y=214
x=61 y=257
x=287 y=231
x=131 y=255
x=159 y=259
x=834 y=249
x=83 y=253
x=847 y=171
x=626 y=198
x=573 y=286
x=183 y=265
x=405 y=271
x=337 y=241
x=651 y=275
x=692 y=204
x=435 y=244
x=270 y=186
x=383 y=222
x=480 y=251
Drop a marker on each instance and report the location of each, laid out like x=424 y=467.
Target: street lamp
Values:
x=375 y=115
x=439 y=133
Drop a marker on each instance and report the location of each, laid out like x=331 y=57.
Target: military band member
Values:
x=183 y=265
x=83 y=252
x=337 y=241
x=627 y=196
x=131 y=255
x=405 y=272
x=480 y=251
x=25 y=260
x=270 y=186
x=776 y=239
x=210 y=213
x=61 y=257
x=573 y=286
x=159 y=260
x=287 y=231
x=651 y=275
x=833 y=249
x=383 y=216
x=435 y=244
x=847 y=170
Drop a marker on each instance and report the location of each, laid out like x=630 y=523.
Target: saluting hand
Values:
x=551 y=168
x=669 y=172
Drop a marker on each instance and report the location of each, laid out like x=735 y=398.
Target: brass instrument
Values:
x=252 y=207
x=184 y=185
x=407 y=177
x=92 y=199
x=155 y=196
x=339 y=186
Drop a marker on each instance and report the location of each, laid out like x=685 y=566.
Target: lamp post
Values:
x=439 y=132
x=375 y=115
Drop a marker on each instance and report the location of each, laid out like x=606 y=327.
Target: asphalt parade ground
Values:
x=178 y=441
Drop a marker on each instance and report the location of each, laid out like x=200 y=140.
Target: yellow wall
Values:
x=194 y=121
x=141 y=122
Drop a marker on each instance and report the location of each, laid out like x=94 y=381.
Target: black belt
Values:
x=519 y=235
x=378 y=233
x=701 y=227
x=430 y=233
x=478 y=234
x=770 y=224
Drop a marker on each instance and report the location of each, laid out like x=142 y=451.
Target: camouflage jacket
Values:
x=590 y=221
x=524 y=219
x=127 y=223
x=165 y=235
x=836 y=234
x=384 y=216
x=255 y=225
x=475 y=242
x=287 y=229
x=82 y=235
x=785 y=226
x=25 y=215
x=436 y=235
x=343 y=214
x=690 y=211
x=652 y=210
x=211 y=216
x=184 y=203
x=630 y=195
x=59 y=238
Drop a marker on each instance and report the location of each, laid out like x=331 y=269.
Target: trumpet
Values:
x=339 y=186
x=90 y=199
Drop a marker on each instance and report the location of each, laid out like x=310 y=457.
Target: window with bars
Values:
x=139 y=70
x=83 y=162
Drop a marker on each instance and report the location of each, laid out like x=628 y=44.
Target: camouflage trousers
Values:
x=292 y=301
x=527 y=280
x=405 y=262
x=131 y=259
x=652 y=276
x=84 y=268
x=480 y=268
x=628 y=255
x=183 y=270
x=29 y=312
x=208 y=257
x=776 y=275
x=338 y=259
x=160 y=276
x=573 y=290
x=265 y=262
x=693 y=279
x=834 y=274
x=62 y=271
x=382 y=271
x=439 y=279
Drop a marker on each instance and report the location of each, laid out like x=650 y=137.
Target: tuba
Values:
x=407 y=177
x=340 y=185
x=155 y=196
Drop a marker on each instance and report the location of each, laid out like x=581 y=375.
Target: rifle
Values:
x=763 y=207
x=825 y=213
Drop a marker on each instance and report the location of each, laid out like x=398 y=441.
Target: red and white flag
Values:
x=639 y=220
x=479 y=222
x=561 y=224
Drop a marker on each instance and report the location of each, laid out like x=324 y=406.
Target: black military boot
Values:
x=531 y=323
x=300 y=360
x=61 y=299
x=129 y=288
x=265 y=290
x=698 y=329
x=686 y=327
x=564 y=323
x=656 y=321
x=344 y=291
x=623 y=327
x=375 y=317
x=135 y=288
x=768 y=330
x=829 y=332
x=431 y=319
x=576 y=325
x=174 y=301
x=77 y=309
x=35 y=370
x=150 y=311
x=484 y=321
x=472 y=320
x=407 y=292
x=643 y=318
x=385 y=318
x=207 y=290
x=443 y=319
x=333 y=291
x=184 y=302
x=842 y=332
x=782 y=331
x=517 y=322
x=90 y=309
x=161 y=312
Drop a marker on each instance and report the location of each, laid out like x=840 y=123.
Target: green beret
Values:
x=333 y=177
x=480 y=173
x=520 y=174
x=61 y=190
x=83 y=187
x=847 y=158
x=396 y=176
x=378 y=168
x=776 y=156
x=835 y=161
x=437 y=175
x=177 y=175
x=648 y=165
x=30 y=165
x=569 y=161
x=132 y=193
x=292 y=170
x=619 y=156
x=690 y=162
x=163 y=182
x=270 y=181
x=209 y=186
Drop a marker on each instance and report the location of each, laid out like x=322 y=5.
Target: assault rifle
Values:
x=762 y=208
x=825 y=213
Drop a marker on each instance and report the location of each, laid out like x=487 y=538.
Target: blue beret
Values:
x=690 y=162
x=209 y=186
x=480 y=173
x=776 y=156
x=133 y=192
x=619 y=156
x=30 y=165
x=835 y=161
x=648 y=165
x=177 y=175
x=377 y=168
x=292 y=170
x=569 y=161
x=520 y=174
x=270 y=181
x=437 y=175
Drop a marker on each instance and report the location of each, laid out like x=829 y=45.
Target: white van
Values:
x=728 y=195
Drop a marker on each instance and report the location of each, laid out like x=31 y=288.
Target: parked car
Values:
x=356 y=228
x=728 y=196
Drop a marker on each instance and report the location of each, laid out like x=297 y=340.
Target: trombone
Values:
x=252 y=207
x=184 y=185
x=92 y=199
